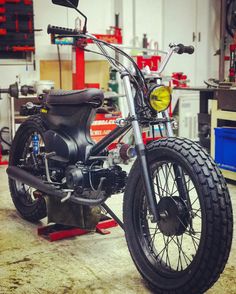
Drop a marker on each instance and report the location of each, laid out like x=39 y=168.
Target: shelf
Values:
x=225 y=115
x=229 y=174
x=15 y=117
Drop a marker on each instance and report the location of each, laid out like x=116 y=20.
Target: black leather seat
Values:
x=76 y=97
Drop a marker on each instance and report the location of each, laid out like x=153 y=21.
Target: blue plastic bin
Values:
x=225 y=148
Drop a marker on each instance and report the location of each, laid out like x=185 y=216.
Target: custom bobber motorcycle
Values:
x=177 y=214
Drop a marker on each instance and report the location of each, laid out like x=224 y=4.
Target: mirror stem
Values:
x=84 y=16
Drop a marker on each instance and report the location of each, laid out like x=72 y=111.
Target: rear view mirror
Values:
x=67 y=3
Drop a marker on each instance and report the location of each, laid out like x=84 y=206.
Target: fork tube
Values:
x=169 y=129
x=141 y=150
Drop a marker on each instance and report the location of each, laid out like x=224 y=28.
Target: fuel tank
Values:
x=69 y=131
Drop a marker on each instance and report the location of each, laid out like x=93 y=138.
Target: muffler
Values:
x=23 y=176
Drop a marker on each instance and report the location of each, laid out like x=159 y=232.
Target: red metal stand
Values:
x=78 y=68
x=151 y=61
x=78 y=60
x=57 y=232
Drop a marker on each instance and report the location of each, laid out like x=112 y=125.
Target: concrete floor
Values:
x=86 y=264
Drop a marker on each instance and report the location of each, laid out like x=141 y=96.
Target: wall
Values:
x=140 y=17
x=179 y=24
x=214 y=39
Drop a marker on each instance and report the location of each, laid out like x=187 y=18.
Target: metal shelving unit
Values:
x=216 y=114
x=15 y=117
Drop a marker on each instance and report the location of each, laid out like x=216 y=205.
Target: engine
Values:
x=95 y=177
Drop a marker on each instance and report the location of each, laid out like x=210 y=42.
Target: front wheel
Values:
x=187 y=249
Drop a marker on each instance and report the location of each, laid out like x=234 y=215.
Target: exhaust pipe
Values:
x=23 y=176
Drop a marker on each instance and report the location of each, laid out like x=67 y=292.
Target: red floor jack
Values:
x=57 y=232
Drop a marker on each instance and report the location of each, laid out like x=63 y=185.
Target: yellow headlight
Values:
x=160 y=98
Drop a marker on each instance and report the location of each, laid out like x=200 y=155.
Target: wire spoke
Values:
x=195 y=211
x=164 y=247
x=153 y=237
x=167 y=253
x=192 y=203
x=158 y=187
x=195 y=244
x=191 y=235
x=183 y=253
x=162 y=190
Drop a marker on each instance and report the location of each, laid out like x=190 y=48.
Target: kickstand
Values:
x=113 y=215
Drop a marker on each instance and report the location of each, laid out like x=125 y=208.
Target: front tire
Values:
x=186 y=251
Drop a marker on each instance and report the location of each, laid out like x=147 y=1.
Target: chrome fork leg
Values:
x=169 y=129
x=141 y=150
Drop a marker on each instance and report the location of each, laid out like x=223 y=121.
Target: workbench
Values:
x=223 y=107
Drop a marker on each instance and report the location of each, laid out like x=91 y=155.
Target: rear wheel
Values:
x=29 y=202
x=187 y=249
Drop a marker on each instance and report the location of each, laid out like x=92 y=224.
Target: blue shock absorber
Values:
x=35 y=143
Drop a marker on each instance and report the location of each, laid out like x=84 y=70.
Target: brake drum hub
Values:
x=174 y=216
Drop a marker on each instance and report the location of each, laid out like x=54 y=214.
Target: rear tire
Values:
x=187 y=250
x=30 y=208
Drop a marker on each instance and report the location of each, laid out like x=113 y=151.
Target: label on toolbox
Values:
x=103 y=125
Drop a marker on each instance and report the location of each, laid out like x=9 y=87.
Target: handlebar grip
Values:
x=61 y=30
x=185 y=49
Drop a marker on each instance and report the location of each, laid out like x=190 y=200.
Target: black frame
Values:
x=108 y=139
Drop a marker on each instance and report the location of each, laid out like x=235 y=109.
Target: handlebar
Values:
x=4 y=91
x=184 y=49
x=61 y=30
x=180 y=48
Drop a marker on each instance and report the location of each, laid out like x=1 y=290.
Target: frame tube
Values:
x=106 y=141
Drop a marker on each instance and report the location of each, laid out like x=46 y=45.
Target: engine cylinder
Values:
x=74 y=177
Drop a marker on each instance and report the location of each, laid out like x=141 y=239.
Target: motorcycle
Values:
x=177 y=213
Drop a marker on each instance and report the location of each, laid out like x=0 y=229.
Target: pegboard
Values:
x=16 y=28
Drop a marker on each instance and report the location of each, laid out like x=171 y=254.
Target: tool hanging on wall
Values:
x=16 y=28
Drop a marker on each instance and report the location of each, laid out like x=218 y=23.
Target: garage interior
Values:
x=203 y=110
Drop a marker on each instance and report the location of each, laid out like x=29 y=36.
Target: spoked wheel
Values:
x=174 y=240
x=28 y=201
x=186 y=250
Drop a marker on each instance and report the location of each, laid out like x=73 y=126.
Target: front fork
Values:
x=141 y=150
x=142 y=155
